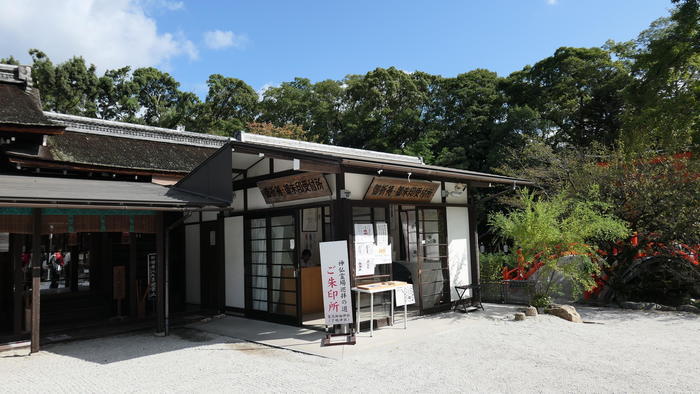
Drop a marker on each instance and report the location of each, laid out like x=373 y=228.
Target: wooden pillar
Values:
x=160 y=270
x=74 y=265
x=131 y=295
x=340 y=231
x=36 y=278
x=18 y=301
x=473 y=245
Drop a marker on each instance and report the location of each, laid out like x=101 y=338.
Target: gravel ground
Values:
x=628 y=351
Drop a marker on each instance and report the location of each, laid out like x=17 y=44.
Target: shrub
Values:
x=491 y=265
x=544 y=230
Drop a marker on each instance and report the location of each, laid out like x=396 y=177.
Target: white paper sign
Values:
x=382 y=254
x=364 y=259
x=382 y=234
x=335 y=274
x=404 y=295
x=364 y=233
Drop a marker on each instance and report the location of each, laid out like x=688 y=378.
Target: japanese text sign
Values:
x=335 y=274
x=400 y=190
x=295 y=187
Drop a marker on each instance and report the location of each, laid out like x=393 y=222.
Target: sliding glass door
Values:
x=272 y=267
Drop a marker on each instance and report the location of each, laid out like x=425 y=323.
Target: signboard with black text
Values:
x=295 y=187
x=151 y=265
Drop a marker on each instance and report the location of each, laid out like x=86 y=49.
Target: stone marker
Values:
x=530 y=311
x=566 y=312
x=519 y=316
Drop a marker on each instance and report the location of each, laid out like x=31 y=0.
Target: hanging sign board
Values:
x=335 y=274
x=405 y=295
x=295 y=187
x=400 y=190
x=152 y=278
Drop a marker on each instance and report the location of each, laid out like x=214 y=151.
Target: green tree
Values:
x=315 y=107
x=158 y=95
x=229 y=106
x=9 y=60
x=664 y=98
x=117 y=96
x=468 y=113
x=577 y=94
x=70 y=87
x=385 y=110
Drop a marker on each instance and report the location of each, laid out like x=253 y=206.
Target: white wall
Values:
x=282 y=165
x=238 y=203
x=261 y=168
x=234 y=271
x=458 y=248
x=357 y=184
x=208 y=216
x=193 y=218
x=192 y=256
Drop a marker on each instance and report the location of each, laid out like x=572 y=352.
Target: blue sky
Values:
x=268 y=42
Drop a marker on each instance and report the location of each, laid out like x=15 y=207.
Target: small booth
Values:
x=404 y=221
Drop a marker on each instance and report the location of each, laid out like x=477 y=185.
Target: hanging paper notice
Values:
x=405 y=295
x=382 y=234
x=364 y=233
x=335 y=274
x=364 y=259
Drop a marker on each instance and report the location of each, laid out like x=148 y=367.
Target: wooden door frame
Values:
x=294 y=212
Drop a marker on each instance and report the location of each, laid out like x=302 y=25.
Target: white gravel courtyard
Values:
x=629 y=351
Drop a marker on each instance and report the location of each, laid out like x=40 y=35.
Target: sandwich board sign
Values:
x=335 y=274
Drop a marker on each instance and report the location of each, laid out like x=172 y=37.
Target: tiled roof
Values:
x=111 y=128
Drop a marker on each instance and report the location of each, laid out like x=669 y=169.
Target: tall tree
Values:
x=664 y=97
x=229 y=106
x=158 y=95
x=385 y=110
x=314 y=107
x=70 y=87
x=117 y=96
x=577 y=94
x=469 y=112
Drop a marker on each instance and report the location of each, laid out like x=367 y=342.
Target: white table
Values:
x=372 y=291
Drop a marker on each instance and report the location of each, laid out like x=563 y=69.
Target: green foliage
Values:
x=491 y=265
x=544 y=230
x=229 y=106
x=541 y=300
x=577 y=93
x=9 y=60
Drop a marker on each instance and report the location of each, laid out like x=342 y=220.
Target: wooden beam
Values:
x=36 y=279
x=473 y=245
x=132 y=276
x=49 y=130
x=160 y=269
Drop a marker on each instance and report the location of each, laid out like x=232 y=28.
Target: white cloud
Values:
x=219 y=39
x=107 y=33
x=166 y=4
x=264 y=89
x=552 y=2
